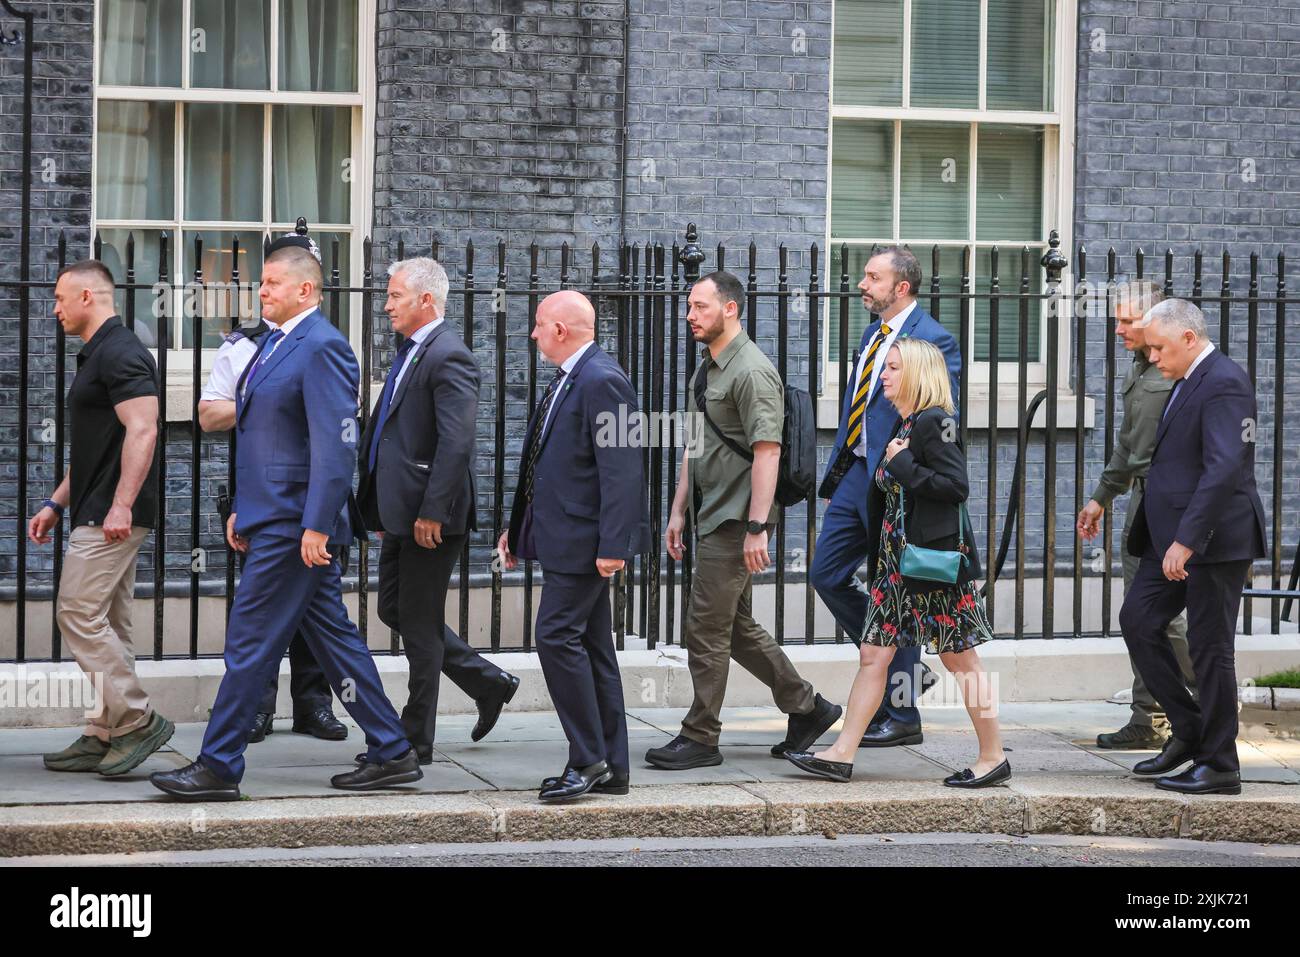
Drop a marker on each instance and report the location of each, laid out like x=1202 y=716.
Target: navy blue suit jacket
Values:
x=589 y=496
x=1200 y=491
x=296 y=426
x=882 y=417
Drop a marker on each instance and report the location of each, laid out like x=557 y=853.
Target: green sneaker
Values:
x=84 y=754
x=130 y=750
x=1133 y=737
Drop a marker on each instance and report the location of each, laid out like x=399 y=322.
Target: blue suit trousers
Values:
x=278 y=594
x=841 y=548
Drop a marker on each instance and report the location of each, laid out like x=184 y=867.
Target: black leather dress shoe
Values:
x=618 y=783
x=1202 y=779
x=890 y=734
x=263 y=724
x=831 y=770
x=966 y=777
x=682 y=754
x=422 y=753
x=322 y=724
x=576 y=782
x=194 y=782
x=385 y=774
x=489 y=708
x=1174 y=755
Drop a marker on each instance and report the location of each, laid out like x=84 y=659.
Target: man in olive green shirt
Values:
x=730 y=487
x=1145 y=393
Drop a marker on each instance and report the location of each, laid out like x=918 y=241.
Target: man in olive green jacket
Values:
x=1145 y=393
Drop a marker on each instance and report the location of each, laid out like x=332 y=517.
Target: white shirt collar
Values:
x=1209 y=347
x=897 y=322
x=426 y=330
x=292 y=324
x=568 y=364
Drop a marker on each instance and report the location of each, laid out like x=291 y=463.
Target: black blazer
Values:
x=932 y=472
x=425 y=464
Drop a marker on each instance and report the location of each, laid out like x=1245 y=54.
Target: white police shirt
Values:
x=233 y=357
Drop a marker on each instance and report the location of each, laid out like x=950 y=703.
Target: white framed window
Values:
x=952 y=127
x=225 y=119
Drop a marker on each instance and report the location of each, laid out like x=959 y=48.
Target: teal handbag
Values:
x=931 y=564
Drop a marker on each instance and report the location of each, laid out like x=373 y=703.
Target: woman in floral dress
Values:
x=920 y=489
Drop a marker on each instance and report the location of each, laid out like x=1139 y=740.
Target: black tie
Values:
x=535 y=448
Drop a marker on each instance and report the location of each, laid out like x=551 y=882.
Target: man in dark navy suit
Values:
x=296 y=425
x=581 y=509
x=1197 y=530
x=867 y=421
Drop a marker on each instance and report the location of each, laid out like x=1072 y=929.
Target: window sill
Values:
x=1008 y=409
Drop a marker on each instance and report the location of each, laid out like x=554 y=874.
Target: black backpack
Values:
x=797 y=473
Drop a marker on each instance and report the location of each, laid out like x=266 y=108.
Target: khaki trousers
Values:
x=720 y=626
x=94 y=615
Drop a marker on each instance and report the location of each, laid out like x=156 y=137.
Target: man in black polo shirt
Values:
x=111 y=490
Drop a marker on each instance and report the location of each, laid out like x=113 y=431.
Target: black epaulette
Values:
x=251 y=333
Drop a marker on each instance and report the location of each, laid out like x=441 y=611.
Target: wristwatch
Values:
x=50 y=503
x=754 y=527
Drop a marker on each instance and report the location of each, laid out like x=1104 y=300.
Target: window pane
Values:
x=140 y=42
x=1020 y=35
x=113 y=255
x=221 y=304
x=859 y=318
x=311 y=163
x=935 y=180
x=134 y=171
x=1009 y=272
x=223 y=161
x=862 y=179
x=318 y=45
x=232 y=52
x=948 y=308
x=1009 y=183
x=868 y=53
x=946 y=53
x=340 y=315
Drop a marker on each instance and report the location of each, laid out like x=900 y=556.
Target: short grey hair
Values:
x=1138 y=295
x=907 y=268
x=1177 y=314
x=423 y=275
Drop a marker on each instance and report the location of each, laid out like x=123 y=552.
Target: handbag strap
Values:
x=962 y=518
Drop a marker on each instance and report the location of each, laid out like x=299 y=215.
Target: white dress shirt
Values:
x=894 y=324
x=418 y=336
x=567 y=366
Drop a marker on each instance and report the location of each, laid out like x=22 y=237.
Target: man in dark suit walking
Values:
x=581 y=509
x=1197 y=530
x=867 y=421
x=417 y=491
x=296 y=425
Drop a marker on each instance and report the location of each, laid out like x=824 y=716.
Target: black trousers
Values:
x=412 y=601
x=575 y=645
x=1211 y=593
x=308 y=687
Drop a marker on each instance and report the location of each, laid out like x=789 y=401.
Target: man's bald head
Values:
x=300 y=264
x=566 y=321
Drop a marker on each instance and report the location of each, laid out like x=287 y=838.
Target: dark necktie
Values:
x=386 y=399
x=1172 y=396
x=535 y=448
x=272 y=340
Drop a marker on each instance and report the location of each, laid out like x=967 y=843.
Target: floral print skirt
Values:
x=943 y=618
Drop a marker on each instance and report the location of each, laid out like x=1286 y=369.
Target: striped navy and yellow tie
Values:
x=858 y=409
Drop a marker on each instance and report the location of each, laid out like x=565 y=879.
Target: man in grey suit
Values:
x=417 y=491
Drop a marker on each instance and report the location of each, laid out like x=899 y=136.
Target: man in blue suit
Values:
x=580 y=509
x=296 y=424
x=1197 y=530
x=889 y=284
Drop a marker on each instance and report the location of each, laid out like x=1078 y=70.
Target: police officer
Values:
x=313 y=711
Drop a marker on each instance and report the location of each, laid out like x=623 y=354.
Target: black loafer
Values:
x=802 y=730
x=1202 y=779
x=576 y=782
x=1174 y=755
x=831 y=770
x=194 y=782
x=682 y=754
x=966 y=777
x=263 y=725
x=618 y=783
x=891 y=734
x=422 y=753
x=322 y=724
x=403 y=769
x=489 y=708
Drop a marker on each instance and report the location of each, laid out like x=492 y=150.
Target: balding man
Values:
x=295 y=422
x=417 y=490
x=111 y=491
x=1199 y=526
x=581 y=509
